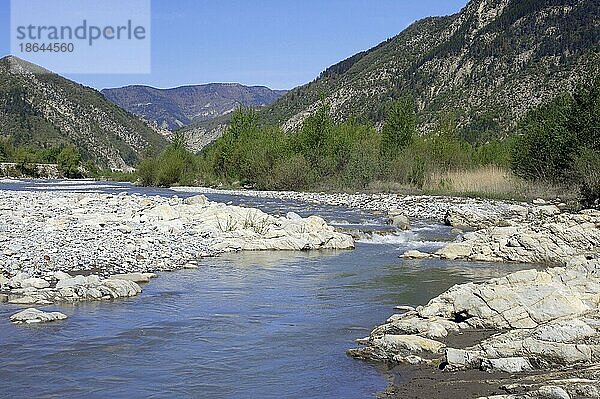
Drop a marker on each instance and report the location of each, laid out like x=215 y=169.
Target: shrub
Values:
x=25 y=158
x=408 y=167
x=147 y=172
x=174 y=166
x=363 y=166
x=293 y=173
x=6 y=149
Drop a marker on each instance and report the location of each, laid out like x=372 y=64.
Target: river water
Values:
x=245 y=325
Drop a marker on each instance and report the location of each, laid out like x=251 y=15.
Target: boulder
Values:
x=121 y=288
x=507 y=365
x=414 y=254
x=550 y=392
x=196 y=200
x=398 y=219
x=59 y=275
x=16 y=280
x=293 y=216
x=33 y=315
x=71 y=282
x=135 y=277
x=408 y=344
x=38 y=283
x=459 y=359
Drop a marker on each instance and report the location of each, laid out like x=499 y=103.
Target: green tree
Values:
x=546 y=147
x=69 y=161
x=147 y=172
x=400 y=127
x=25 y=158
x=6 y=149
x=587 y=170
x=315 y=130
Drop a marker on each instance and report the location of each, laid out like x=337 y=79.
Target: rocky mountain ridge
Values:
x=181 y=106
x=483 y=67
x=41 y=109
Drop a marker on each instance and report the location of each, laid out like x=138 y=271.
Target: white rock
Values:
x=507 y=365
x=59 y=275
x=135 y=277
x=293 y=216
x=549 y=392
x=196 y=200
x=71 y=282
x=399 y=220
x=414 y=254
x=459 y=359
x=409 y=344
x=15 y=281
x=38 y=283
x=33 y=315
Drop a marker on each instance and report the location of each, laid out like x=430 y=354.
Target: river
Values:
x=243 y=325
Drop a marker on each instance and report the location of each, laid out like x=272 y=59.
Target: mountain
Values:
x=181 y=106
x=484 y=67
x=39 y=108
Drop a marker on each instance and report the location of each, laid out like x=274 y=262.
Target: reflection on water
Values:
x=246 y=325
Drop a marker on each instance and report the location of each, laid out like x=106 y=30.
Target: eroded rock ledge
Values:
x=547 y=322
x=541 y=234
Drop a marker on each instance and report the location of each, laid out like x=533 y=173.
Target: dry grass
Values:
x=488 y=179
x=494 y=182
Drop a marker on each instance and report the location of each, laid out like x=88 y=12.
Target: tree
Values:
x=314 y=133
x=400 y=127
x=6 y=149
x=546 y=147
x=585 y=118
x=69 y=161
x=25 y=158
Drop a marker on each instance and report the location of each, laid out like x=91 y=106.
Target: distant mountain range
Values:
x=174 y=108
x=39 y=108
x=484 y=67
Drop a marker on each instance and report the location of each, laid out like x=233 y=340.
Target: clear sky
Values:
x=277 y=43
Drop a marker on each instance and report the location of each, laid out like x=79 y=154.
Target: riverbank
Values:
x=67 y=247
x=545 y=336
x=414 y=206
x=70 y=247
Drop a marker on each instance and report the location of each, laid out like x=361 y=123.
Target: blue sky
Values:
x=276 y=43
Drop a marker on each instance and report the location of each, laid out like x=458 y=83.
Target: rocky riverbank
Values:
x=413 y=206
x=535 y=234
x=66 y=247
x=542 y=327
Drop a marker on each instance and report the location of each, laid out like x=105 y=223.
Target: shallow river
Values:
x=246 y=325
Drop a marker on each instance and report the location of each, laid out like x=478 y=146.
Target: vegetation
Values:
x=175 y=165
x=102 y=132
x=324 y=154
x=560 y=142
x=67 y=158
x=539 y=48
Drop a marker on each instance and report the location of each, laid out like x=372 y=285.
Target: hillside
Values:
x=181 y=106
x=41 y=109
x=484 y=67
